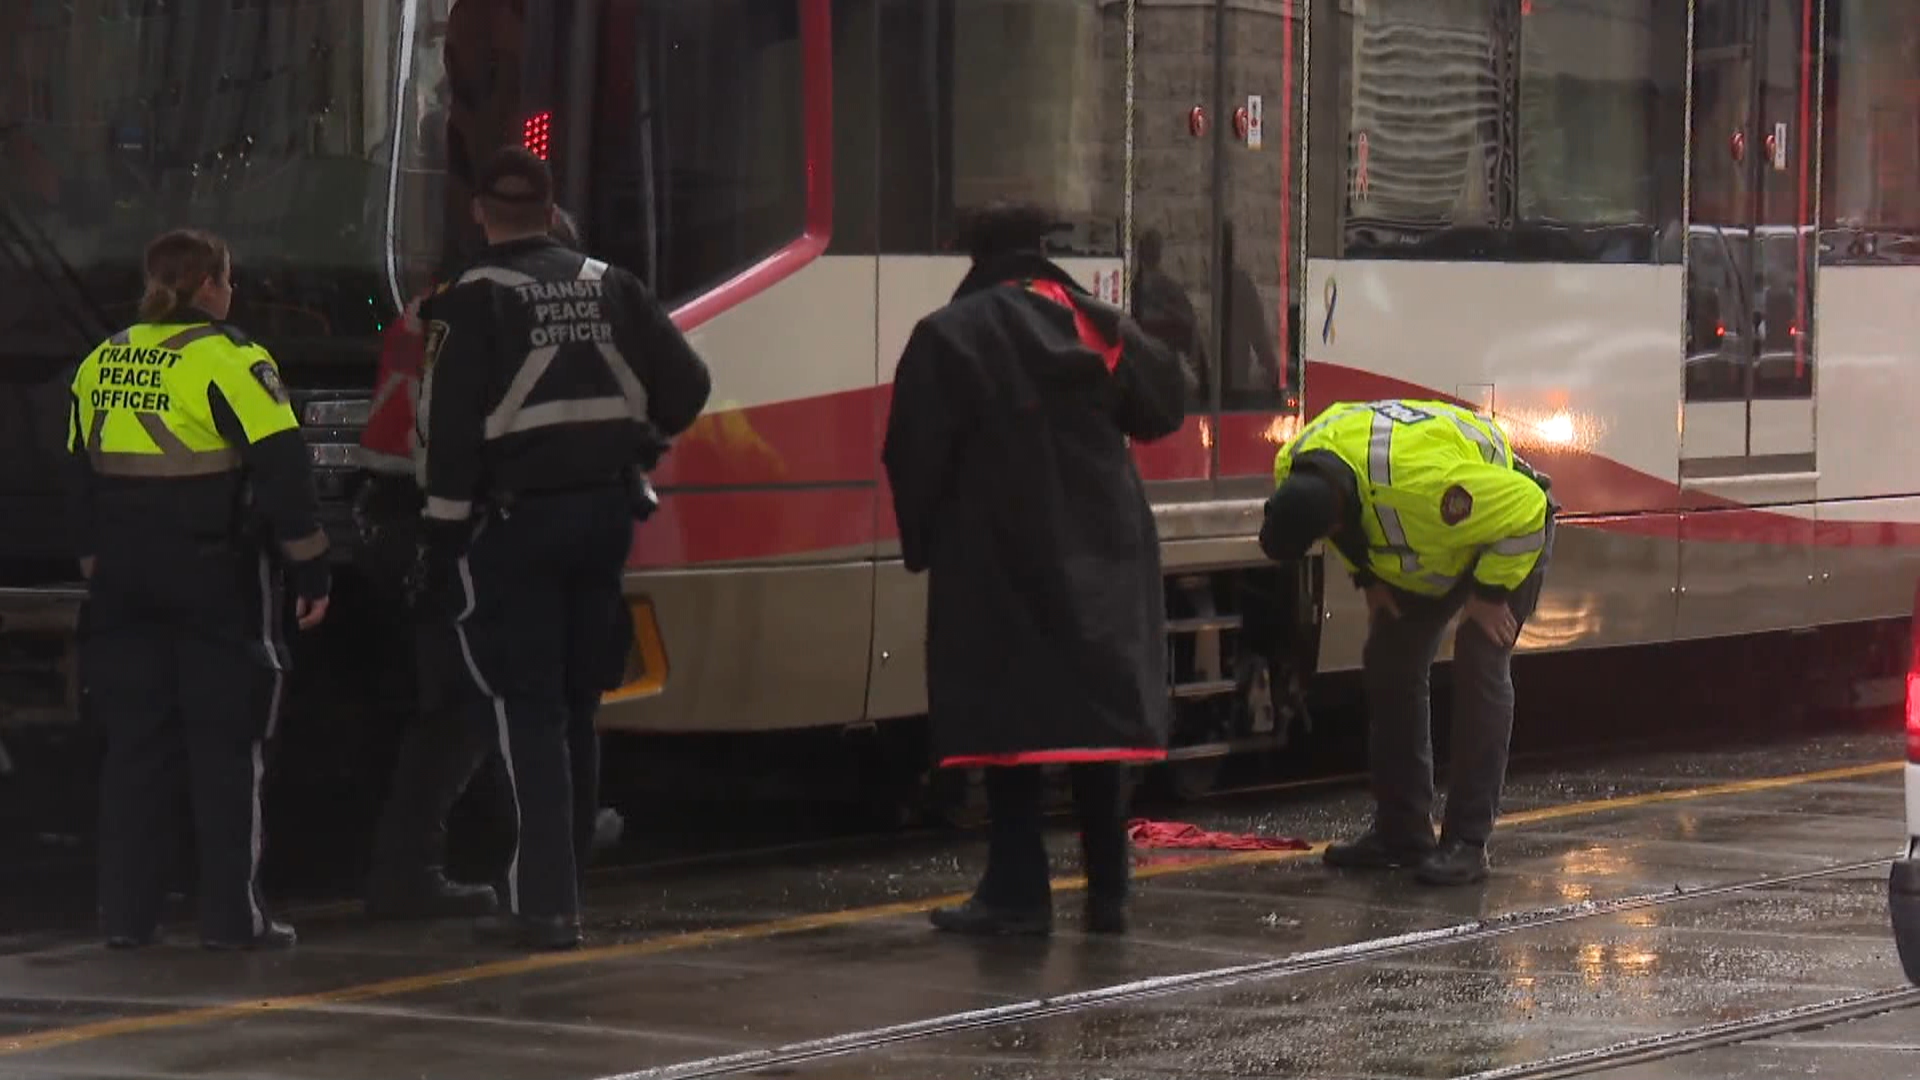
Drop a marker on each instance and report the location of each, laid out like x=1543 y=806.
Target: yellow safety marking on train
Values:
x=525 y=965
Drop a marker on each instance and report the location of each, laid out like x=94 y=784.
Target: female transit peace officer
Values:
x=191 y=498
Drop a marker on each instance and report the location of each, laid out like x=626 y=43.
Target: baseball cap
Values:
x=1300 y=512
x=515 y=175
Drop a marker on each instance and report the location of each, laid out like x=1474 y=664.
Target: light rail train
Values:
x=1672 y=247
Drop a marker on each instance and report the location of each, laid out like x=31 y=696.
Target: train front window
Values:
x=675 y=129
x=267 y=124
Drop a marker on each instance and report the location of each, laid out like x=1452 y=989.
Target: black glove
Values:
x=432 y=592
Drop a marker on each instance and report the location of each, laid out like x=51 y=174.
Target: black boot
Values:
x=530 y=931
x=1456 y=862
x=976 y=918
x=1376 y=851
x=277 y=935
x=428 y=895
x=1106 y=915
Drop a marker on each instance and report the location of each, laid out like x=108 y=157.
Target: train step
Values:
x=1203 y=623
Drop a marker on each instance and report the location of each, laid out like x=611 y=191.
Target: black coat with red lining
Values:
x=1014 y=488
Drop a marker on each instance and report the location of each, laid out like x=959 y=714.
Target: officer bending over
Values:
x=551 y=383
x=1435 y=515
x=192 y=493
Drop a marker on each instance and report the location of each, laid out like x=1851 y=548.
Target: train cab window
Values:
x=267 y=124
x=699 y=156
x=675 y=128
x=1870 y=167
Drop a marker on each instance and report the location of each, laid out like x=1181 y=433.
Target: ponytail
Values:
x=178 y=263
x=159 y=302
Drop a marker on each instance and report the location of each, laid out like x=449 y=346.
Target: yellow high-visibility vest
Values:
x=1439 y=491
x=142 y=408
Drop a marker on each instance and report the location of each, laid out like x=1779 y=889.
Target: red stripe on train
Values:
x=803 y=477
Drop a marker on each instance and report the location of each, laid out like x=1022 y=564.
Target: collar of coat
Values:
x=1014 y=266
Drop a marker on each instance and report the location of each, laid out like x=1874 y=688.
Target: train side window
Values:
x=1870 y=157
x=1601 y=124
x=1502 y=130
x=989 y=99
x=1424 y=146
x=699 y=160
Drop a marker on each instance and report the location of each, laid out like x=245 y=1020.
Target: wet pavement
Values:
x=1632 y=897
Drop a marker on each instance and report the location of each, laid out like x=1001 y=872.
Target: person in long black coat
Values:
x=1013 y=486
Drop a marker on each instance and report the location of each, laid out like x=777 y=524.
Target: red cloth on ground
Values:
x=1174 y=834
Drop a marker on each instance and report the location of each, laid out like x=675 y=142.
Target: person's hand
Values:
x=1494 y=619
x=1380 y=602
x=429 y=584
x=310 y=613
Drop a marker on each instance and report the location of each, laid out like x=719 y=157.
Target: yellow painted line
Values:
x=670 y=943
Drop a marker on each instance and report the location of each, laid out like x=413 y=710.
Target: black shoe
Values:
x=1373 y=851
x=131 y=941
x=530 y=931
x=1456 y=862
x=1106 y=916
x=429 y=895
x=974 y=917
x=277 y=935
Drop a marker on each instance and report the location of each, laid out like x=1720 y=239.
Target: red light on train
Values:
x=1913 y=685
x=1913 y=717
x=537 y=134
x=1720 y=330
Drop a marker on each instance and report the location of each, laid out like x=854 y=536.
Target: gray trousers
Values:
x=1396 y=664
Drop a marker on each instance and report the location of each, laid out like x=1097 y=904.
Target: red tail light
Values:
x=537 y=134
x=1913 y=686
x=1913 y=717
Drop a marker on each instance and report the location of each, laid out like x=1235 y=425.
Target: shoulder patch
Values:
x=1455 y=505
x=268 y=377
x=436 y=338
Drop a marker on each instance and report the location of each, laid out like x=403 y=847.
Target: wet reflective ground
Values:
x=743 y=968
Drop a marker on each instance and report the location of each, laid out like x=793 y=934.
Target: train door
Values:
x=1215 y=213
x=1747 y=463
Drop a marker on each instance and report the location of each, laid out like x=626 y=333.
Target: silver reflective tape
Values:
x=1500 y=438
x=1380 y=451
x=592 y=270
x=162 y=436
x=1521 y=545
x=311 y=546
x=1487 y=449
x=500 y=421
x=630 y=386
x=202 y=463
x=188 y=336
x=499 y=275
x=442 y=509
x=1396 y=535
x=1380 y=474
x=549 y=414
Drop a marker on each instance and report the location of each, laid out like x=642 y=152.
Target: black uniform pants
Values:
x=443 y=751
x=1016 y=874
x=1396 y=663
x=544 y=632
x=183 y=666
x=448 y=743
